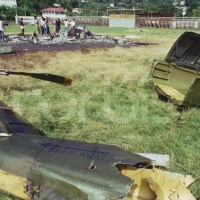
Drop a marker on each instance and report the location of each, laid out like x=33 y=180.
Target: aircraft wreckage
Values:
x=77 y=35
x=33 y=166
x=177 y=78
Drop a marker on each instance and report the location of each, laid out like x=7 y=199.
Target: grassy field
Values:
x=110 y=101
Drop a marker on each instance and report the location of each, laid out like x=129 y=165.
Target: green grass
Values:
x=13 y=28
x=110 y=101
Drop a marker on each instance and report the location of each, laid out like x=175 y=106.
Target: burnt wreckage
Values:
x=177 y=78
x=33 y=166
x=76 y=35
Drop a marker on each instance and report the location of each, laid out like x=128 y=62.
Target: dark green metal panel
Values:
x=193 y=96
x=177 y=78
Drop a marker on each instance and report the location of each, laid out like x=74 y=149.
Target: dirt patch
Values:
x=28 y=60
x=23 y=52
x=28 y=55
x=84 y=47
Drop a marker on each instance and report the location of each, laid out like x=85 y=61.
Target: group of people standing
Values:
x=67 y=25
x=42 y=25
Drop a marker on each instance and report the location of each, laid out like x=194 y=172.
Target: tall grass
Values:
x=110 y=101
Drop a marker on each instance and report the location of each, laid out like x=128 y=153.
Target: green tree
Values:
x=7 y=13
x=164 y=8
x=193 y=4
x=160 y=1
x=146 y=7
x=34 y=7
x=196 y=12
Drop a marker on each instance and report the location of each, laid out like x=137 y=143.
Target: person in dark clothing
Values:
x=57 y=25
x=47 y=26
x=21 y=23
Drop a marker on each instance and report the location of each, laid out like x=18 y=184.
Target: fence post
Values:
x=134 y=22
x=174 y=24
x=196 y=24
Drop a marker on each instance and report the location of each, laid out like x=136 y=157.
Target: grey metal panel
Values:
x=41 y=158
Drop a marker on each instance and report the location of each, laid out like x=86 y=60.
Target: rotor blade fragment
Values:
x=42 y=76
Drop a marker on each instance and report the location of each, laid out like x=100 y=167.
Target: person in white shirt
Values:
x=66 y=26
x=1 y=31
x=72 y=23
x=43 y=25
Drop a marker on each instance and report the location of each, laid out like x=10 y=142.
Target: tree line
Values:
x=99 y=7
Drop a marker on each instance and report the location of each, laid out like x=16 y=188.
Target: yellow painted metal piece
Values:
x=13 y=184
x=156 y=184
x=170 y=92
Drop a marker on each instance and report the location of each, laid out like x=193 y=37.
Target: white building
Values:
x=54 y=13
x=77 y=10
x=8 y=2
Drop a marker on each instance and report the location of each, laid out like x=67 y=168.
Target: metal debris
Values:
x=64 y=169
x=73 y=37
x=151 y=184
x=177 y=78
x=158 y=160
x=32 y=191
